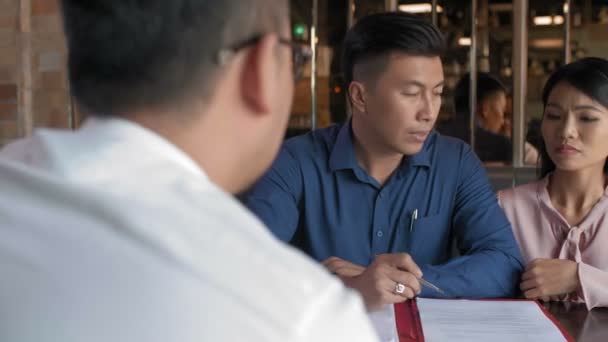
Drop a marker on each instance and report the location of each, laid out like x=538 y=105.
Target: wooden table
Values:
x=583 y=325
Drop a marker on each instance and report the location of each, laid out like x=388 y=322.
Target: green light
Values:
x=299 y=30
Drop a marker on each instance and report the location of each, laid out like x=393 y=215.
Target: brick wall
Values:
x=45 y=48
x=8 y=69
x=50 y=92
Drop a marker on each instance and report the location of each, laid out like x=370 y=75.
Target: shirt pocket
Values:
x=431 y=222
x=430 y=238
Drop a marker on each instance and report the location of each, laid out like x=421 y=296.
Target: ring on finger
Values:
x=399 y=288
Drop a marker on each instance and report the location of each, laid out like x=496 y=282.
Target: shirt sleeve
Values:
x=594 y=283
x=337 y=317
x=490 y=263
x=275 y=197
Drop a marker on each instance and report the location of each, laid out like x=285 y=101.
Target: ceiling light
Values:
x=543 y=20
x=419 y=8
x=547 y=43
x=558 y=20
x=464 y=41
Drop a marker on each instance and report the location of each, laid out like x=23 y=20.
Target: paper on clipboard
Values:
x=486 y=320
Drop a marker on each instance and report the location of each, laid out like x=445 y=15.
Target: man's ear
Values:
x=260 y=65
x=357 y=95
x=482 y=110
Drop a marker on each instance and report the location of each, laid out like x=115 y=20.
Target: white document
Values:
x=478 y=320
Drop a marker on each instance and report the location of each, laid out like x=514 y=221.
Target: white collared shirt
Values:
x=111 y=233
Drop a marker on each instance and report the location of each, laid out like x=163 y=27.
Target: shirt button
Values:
x=379 y=234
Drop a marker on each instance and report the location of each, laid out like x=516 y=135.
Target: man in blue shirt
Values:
x=381 y=197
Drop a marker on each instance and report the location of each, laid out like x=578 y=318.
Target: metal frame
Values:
x=350 y=14
x=434 y=12
x=313 y=64
x=567 y=26
x=473 y=75
x=520 y=76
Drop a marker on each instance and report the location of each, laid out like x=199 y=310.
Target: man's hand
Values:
x=549 y=279
x=377 y=283
x=343 y=268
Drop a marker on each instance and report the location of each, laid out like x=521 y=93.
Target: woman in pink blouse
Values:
x=561 y=221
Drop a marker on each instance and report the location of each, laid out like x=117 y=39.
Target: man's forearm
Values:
x=485 y=274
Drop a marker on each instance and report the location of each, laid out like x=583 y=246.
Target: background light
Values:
x=419 y=8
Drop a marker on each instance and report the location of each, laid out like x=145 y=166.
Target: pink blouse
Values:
x=542 y=232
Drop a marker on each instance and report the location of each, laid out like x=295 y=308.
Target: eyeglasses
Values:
x=301 y=54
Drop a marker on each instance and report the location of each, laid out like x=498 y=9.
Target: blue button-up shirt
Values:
x=317 y=197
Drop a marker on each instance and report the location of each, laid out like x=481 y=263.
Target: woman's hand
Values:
x=548 y=279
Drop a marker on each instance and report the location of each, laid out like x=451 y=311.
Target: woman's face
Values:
x=575 y=129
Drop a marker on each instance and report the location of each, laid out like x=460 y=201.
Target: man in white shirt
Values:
x=126 y=230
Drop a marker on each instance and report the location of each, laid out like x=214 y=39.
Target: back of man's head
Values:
x=151 y=55
x=375 y=36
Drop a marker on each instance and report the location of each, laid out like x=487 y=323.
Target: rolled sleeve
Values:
x=594 y=285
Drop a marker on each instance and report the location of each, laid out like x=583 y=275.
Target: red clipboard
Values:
x=409 y=325
x=407 y=318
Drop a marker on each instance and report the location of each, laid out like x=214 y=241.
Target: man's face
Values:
x=403 y=103
x=492 y=110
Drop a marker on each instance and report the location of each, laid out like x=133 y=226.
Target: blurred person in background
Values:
x=493 y=142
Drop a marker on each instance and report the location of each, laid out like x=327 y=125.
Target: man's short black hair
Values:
x=153 y=54
x=487 y=85
x=376 y=36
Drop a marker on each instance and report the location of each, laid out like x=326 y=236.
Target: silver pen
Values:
x=413 y=219
x=431 y=286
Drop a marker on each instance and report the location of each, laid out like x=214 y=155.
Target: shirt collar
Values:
x=343 y=152
x=423 y=157
x=150 y=143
